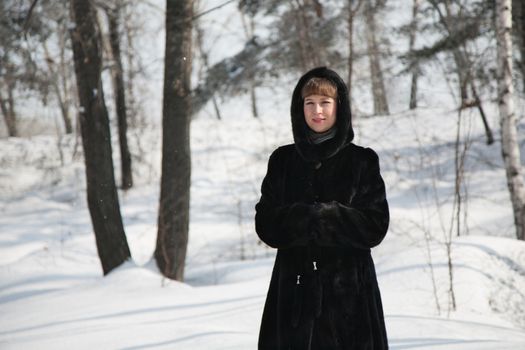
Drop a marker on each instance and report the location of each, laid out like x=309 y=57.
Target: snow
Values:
x=53 y=295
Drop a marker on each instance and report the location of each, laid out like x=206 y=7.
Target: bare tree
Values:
x=203 y=54
x=309 y=56
x=352 y=11
x=173 y=220
x=508 y=119
x=518 y=14
x=376 y=73
x=411 y=42
x=7 y=106
x=113 y=15
x=249 y=32
x=58 y=63
x=102 y=194
x=55 y=78
x=7 y=69
x=461 y=26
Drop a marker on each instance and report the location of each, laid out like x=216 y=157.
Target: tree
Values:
x=113 y=15
x=102 y=194
x=249 y=31
x=509 y=134
x=57 y=52
x=352 y=11
x=203 y=55
x=376 y=73
x=415 y=71
x=10 y=25
x=33 y=62
x=460 y=23
x=518 y=15
x=174 y=207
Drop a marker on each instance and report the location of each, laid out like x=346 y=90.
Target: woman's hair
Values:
x=319 y=86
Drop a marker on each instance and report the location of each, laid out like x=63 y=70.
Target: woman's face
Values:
x=319 y=112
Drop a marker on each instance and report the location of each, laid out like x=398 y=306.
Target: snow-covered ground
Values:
x=53 y=295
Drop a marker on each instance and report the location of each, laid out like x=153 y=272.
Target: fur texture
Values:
x=323 y=207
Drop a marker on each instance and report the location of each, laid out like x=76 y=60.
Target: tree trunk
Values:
x=415 y=70
x=204 y=57
x=378 y=85
x=249 y=33
x=352 y=11
x=64 y=75
x=521 y=23
x=253 y=99
x=120 y=96
x=8 y=110
x=518 y=13
x=173 y=221
x=508 y=120
x=64 y=107
x=9 y=119
x=309 y=55
x=132 y=68
x=479 y=104
x=463 y=70
x=102 y=194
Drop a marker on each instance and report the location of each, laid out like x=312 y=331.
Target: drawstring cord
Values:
x=317 y=287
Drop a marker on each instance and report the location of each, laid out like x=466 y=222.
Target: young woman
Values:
x=323 y=206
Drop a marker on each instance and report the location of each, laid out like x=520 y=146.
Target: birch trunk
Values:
x=508 y=119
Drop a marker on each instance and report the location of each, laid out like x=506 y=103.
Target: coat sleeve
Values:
x=362 y=223
x=277 y=224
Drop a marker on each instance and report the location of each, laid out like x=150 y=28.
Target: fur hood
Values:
x=344 y=134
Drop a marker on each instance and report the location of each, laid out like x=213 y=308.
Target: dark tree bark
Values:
x=173 y=221
x=376 y=73
x=309 y=56
x=518 y=12
x=352 y=11
x=120 y=96
x=9 y=115
x=7 y=103
x=249 y=30
x=412 y=39
x=102 y=194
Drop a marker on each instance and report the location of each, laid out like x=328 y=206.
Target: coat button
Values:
x=318 y=165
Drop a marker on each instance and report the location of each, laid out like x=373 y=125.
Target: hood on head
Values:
x=343 y=124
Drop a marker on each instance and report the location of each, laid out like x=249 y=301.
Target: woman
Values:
x=323 y=206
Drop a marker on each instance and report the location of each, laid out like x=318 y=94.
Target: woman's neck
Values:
x=320 y=137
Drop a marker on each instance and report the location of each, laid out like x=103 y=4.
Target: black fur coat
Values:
x=323 y=207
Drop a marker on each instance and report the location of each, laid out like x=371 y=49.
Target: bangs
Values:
x=319 y=86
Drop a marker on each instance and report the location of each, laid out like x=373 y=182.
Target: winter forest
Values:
x=135 y=134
